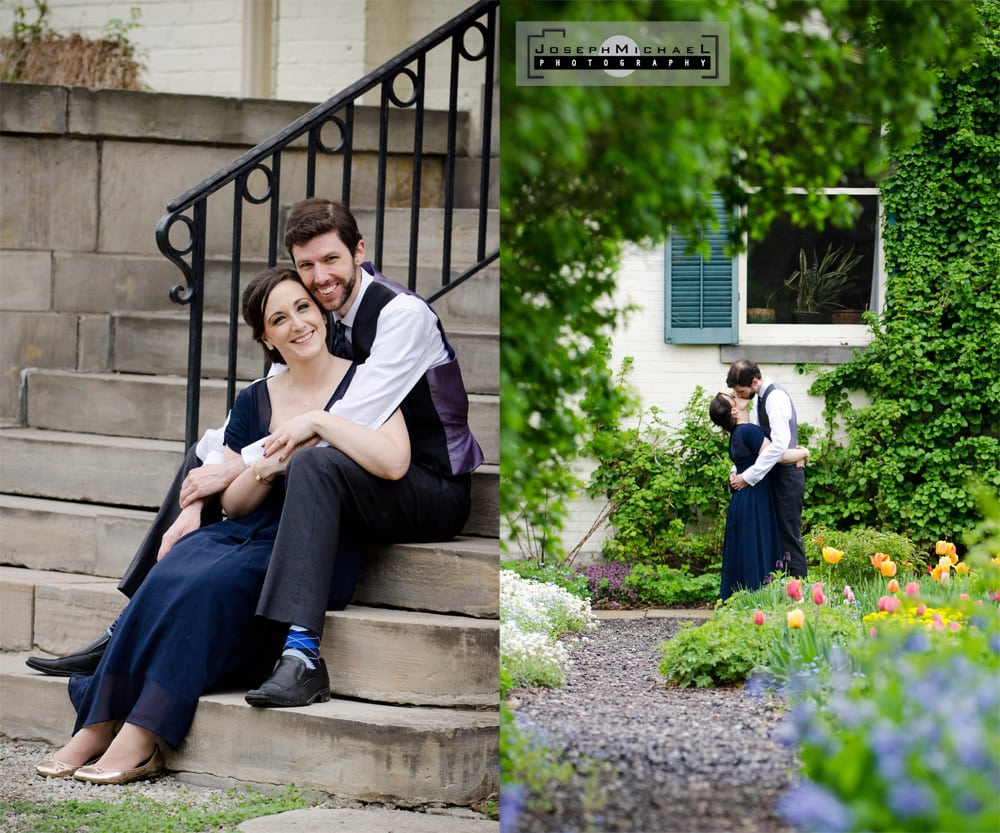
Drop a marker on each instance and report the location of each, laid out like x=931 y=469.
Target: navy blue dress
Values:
x=191 y=627
x=752 y=547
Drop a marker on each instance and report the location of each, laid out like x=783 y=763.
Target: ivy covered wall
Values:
x=932 y=372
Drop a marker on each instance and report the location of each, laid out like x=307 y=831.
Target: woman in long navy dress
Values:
x=752 y=549
x=191 y=625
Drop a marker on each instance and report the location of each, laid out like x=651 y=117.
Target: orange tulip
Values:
x=758 y=617
x=878 y=558
x=796 y=618
x=832 y=556
x=892 y=586
x=888 y=568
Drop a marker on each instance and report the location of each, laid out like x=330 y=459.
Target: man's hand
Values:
x=298 y=432
x=208 y=480
x=737 y=481
x=188 y=521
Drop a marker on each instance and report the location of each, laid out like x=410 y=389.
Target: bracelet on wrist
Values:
x=259 y=477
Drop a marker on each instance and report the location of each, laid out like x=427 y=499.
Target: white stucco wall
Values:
x=318 y=46
x=666 y=375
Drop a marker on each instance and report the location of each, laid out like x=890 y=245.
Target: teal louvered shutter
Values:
x=700 y=298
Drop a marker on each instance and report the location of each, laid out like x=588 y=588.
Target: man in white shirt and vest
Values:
x=775 y=414
x=403 y=361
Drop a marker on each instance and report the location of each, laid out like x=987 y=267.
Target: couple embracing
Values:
x=764 y=518
x=359 y=434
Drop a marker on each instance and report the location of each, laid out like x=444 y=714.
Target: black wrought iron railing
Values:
x=258 y=179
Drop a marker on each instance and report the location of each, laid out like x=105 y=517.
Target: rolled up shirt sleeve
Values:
x=779 y=412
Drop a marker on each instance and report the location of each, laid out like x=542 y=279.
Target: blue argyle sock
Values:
x=302 y=643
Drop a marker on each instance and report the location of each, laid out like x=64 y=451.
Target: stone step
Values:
x=129 y=404
x=156 y=343
x=135 y=473
x=365 y=751
x=377 y=654
x=92 y=540
x=93 y=283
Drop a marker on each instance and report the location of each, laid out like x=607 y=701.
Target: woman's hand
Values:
x=187 y=521
x=298 y=432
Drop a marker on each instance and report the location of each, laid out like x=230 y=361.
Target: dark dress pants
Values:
x=788 y=486
x=328 y=494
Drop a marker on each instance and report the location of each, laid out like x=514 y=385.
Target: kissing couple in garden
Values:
x=764 y=518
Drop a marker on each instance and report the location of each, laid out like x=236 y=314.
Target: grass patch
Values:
x=138 y=812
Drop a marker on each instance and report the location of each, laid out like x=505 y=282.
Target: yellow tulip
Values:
x=941 y=548
x=888 y=568
x=832 y=556
x=796 y=618
x=962 y=568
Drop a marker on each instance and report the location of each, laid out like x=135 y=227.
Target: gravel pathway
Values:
x=667 y=760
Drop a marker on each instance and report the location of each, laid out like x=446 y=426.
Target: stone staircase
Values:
x=413 y=660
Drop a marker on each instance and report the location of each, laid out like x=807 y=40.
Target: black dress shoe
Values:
x=84 y=661
x=292 y=683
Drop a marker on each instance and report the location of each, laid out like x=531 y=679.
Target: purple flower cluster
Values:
x=607 y=586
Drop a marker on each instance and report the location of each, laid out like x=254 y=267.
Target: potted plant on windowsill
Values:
x=820 y=283
x=765 y=314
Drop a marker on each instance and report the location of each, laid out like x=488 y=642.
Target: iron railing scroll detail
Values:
x=322 y=146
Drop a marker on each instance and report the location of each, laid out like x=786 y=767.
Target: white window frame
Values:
x=844 y=335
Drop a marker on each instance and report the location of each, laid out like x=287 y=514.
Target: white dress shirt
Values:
x=779 y=413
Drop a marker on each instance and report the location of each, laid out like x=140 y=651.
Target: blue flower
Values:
x=910 y=800
x=511 y=804
x=814 y=809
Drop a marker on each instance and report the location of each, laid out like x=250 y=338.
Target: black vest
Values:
x=437 y=408
x=765 y=420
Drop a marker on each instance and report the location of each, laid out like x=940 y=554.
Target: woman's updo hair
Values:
x=720 y=411
x=255 y=300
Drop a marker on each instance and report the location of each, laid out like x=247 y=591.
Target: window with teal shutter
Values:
x=701 y=293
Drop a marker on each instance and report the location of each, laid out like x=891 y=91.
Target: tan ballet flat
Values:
x=98 y=775
x=51 y=768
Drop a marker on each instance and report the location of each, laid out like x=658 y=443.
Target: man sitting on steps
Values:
x=404 y=361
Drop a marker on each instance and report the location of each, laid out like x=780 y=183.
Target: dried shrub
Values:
x=72 y=60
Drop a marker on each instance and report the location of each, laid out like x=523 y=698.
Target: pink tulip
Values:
x=888 y=604
x=912 y=588
x=817 y=592
x=954 y=627
x=794 y=590
x=848 y=593
x=920 y=611
x=758 y=617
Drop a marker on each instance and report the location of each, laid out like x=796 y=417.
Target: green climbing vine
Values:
x=932 y=373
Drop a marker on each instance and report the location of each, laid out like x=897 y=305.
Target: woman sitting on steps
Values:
x=191 y=625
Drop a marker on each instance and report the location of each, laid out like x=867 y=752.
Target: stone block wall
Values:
x=85 y=176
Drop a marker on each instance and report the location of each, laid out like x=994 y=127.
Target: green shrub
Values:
x=668 y=488
x=662 y=586
x=722 y=651
x=858 y=546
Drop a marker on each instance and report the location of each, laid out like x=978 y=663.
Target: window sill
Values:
x=794 y=348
